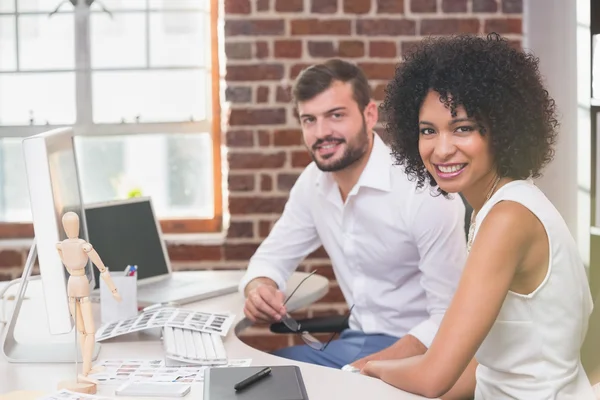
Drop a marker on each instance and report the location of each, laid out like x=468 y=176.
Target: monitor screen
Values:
x=126 y=233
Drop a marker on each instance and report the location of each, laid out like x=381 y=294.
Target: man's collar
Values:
x=376 y=174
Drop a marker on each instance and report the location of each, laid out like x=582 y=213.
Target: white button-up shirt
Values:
x=397 y=251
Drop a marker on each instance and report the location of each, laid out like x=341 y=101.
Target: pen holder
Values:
x=112 y=310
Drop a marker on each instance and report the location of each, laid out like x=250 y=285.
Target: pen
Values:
x=133 y=270
x=127 y=270
x=263 y=373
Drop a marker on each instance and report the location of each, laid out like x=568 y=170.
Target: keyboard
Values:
x=187 y=347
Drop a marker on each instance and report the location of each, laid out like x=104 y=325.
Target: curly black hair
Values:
x=498 y=85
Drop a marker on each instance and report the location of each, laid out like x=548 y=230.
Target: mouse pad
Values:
x=284 y=383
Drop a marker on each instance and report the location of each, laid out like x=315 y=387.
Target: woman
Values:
x=469 y=114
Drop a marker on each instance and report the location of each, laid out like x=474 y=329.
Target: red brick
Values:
x=185 y=252
x=239 y=251
x=321 y=49
x=331 y=312
x=300 y=159
x=237 y=7
x=449 y=26
x=323 y=6
x=264 y=138
x=378 y=70
x=334 y=295
x=238 y=51
x=490 y=6
x=288 y=48
x=503 y=25
x=379 y=92
x=240 y=183
x=267 y=116
x=423 y=6
x=11 y=258
x=266 y=183
x=263 y=5
x=315 y=26
x=256 y=160
x=262 y=49
x=283 y=94
x=452 y=6
x=241 y=138
x=287 y=137
x=264 y=227
x=318 y=253
x=382 y=49
x=285 y=182
x=289 y=5
x=357 y=6
x=325 y=270
x=238 y=94
x=351 y=48
x=407 y=46
x=516 y=44
x=6 y=277
x=241 y=229
x=512 y=6
x=258 y=72
x=296 y=69
x=254 y=27
x=390 y=6
x=386 y=27
x=262 y=94
x=266 y=343
x=256 y=205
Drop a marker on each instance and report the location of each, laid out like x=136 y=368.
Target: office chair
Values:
x=337 y=323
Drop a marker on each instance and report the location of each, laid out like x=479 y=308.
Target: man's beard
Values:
x=353 y=152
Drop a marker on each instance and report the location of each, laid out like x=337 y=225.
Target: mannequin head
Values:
x=70 y=222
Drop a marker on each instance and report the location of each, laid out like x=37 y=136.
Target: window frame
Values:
x=24 y=230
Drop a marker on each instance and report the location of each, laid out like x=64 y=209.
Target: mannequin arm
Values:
x=60 y=254
x=104 y=274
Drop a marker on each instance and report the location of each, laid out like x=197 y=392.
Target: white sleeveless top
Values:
x=532 y=351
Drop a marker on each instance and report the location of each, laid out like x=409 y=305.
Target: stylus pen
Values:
x=263 y=373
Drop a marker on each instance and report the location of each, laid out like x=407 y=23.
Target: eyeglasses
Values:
x=296 y=327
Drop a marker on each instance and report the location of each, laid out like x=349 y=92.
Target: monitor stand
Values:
x=43 y=352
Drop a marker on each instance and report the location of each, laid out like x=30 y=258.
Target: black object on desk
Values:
x=284 y=383
x=252 y=379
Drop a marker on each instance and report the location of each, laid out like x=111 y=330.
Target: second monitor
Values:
x=127 y=232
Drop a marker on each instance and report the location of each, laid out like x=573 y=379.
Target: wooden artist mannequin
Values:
x=74 y=253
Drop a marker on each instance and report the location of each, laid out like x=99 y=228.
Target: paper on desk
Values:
x=65 y=394
x=201 y=321
x=176 y=317
x=117 y=371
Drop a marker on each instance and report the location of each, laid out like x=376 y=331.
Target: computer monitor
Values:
x=126 y=232
x=54 y=189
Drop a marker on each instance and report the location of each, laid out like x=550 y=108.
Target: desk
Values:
x=321 y=382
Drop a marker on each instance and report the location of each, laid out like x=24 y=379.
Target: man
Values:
x=397 y=251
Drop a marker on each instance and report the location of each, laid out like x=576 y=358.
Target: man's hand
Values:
x=264 y=301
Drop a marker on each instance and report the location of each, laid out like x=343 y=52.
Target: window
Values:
x=138 y=81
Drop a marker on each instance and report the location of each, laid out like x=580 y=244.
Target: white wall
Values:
x=550 y=32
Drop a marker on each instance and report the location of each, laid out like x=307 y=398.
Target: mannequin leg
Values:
x=90 y=334
x=78 y=320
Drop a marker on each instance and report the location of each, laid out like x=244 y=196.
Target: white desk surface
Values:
x=321 y=382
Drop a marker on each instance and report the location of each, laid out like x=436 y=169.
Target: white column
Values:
x=550 y=33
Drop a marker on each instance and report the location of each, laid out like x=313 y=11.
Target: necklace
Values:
x=472 y=226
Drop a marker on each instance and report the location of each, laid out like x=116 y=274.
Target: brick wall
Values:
x=267 y=43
